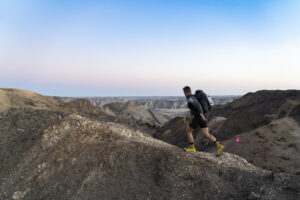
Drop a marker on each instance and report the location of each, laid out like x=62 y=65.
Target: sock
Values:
x=216 y=143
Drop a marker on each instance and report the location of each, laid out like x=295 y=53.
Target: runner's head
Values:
x=187 y=91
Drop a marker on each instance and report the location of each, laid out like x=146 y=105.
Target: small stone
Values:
x=18 y=195
x=253 y=196
x=20 y=130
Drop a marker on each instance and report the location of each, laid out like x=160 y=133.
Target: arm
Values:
x=195 y=104
x=199 y=107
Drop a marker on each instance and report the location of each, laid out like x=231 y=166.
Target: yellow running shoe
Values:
x=219 y=148
x=190 y=148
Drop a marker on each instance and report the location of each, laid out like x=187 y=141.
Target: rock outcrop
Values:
x=135 y=114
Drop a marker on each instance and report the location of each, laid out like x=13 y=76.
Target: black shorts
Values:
x=197 y=121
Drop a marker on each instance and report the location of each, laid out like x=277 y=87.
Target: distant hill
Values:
x=165 y=102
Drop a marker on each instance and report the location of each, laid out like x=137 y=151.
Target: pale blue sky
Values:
x=124 y=48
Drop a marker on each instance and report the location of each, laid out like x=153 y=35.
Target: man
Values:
x=199 y=119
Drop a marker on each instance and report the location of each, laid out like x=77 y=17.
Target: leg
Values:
x=213 y=139
x=189 y=134
x=206 y=134
x=190 y=137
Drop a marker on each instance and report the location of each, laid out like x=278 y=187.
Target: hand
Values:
x=203 y=117
x=187 y=120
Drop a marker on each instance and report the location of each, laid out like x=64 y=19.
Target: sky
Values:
x=149 y=47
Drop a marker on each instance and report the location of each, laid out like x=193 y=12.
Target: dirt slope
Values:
x=71 y=152
x=15 y=98
x=254 y=110
x=79 y=158
x=275 y=146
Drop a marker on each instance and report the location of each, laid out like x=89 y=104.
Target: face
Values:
x=186 y=93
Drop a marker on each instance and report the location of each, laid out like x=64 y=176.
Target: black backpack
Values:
x=205 y=100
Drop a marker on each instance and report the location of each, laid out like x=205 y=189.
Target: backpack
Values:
x=205 y=100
